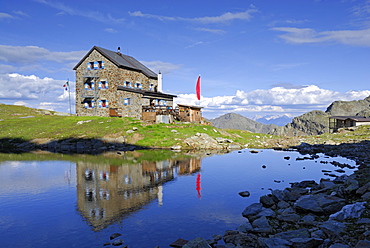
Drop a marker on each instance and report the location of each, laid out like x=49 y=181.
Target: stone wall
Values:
x=115 y=77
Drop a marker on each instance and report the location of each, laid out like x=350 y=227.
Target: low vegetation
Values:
x=27 y=124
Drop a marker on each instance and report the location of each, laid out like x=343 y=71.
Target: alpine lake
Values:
x=150 y=197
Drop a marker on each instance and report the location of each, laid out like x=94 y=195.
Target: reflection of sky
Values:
x=45 y=219
x=33 y=177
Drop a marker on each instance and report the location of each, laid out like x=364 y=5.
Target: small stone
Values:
x=179 y=243
x=117 y=242
x=115 y=235
x=245 y=193
x=197 y=242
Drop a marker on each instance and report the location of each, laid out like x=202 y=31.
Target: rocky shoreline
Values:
x=326 y=214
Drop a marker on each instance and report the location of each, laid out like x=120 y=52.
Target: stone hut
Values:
x=112 y=84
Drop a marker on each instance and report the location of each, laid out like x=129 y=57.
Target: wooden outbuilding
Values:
x=337 y=122
x=188 y=113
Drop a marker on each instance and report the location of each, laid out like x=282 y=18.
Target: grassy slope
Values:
x=28 y=124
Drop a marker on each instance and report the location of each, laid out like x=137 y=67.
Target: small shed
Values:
x=190 y=113
x=336 y=122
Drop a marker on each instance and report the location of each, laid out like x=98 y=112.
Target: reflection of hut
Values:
x=109 y=193
x=190 y=113
x=189 y=166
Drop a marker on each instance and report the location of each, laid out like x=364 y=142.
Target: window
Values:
x=127 y=84
x=139 y=86
x=127 y=101
x=88 y=103
x=100 y=64
x=95 y=65
x=90 y=65
x=103 y=85
x=103 y=103
x=89 y=85
x=151 y=87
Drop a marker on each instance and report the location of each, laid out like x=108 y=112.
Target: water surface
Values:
x=79 y=201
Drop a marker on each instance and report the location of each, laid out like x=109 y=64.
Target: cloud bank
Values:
x=277 y=100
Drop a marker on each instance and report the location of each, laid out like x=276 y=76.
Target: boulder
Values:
x=197 y=243
x=349 y=211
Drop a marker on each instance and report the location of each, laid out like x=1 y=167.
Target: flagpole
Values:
x=69 y=93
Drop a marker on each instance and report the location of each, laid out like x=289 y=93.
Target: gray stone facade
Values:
x=107 y=80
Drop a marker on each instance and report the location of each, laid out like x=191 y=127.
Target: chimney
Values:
x=119 y=50
x=160 y=81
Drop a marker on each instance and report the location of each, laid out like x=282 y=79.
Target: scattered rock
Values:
x=245 y=193
x=117 y=242
x=197 y=243
x=179 y=243
x=115 y=235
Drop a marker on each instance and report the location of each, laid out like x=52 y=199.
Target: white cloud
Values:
x=27 y=54
x=21 y=13
x=94 y=15
x=111 y=30
x=308 y=35
x=20 y=103
x=210 y=30
x=35 y=92
x=5 y=16
x=16 y=86
x=290 y=100
x=226 y=17
x=164 y=67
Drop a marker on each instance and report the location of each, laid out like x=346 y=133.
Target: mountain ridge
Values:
x=237 y=121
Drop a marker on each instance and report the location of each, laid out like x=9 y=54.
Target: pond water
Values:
x=79 y=201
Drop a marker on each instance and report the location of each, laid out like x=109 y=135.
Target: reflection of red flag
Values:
x=198 y=188
x=197 y=88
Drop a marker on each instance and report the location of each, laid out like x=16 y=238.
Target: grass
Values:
x=27 y=124
x=18 y=122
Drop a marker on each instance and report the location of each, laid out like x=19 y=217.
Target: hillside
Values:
x=29 y=126
x=236 y=121
x=317 y=122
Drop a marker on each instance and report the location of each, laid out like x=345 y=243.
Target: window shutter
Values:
x=92 y=103
x=125 y=101
x=100 y=103
x=99 y=87
x=102 y=64
x=86 y=86
x=88 y=66
x=86 y=105
x=92 y=85
x=106 y=84
x=96 y=65
x=106 y=103
x=164 y=103
x=130 y=85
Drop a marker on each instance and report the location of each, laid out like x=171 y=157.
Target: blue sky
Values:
x=255 y=58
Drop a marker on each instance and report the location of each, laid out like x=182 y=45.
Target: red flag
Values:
x=197 y=88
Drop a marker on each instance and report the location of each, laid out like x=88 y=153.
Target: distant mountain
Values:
x=317 y=122
x=279 y=120
x=236 y=121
